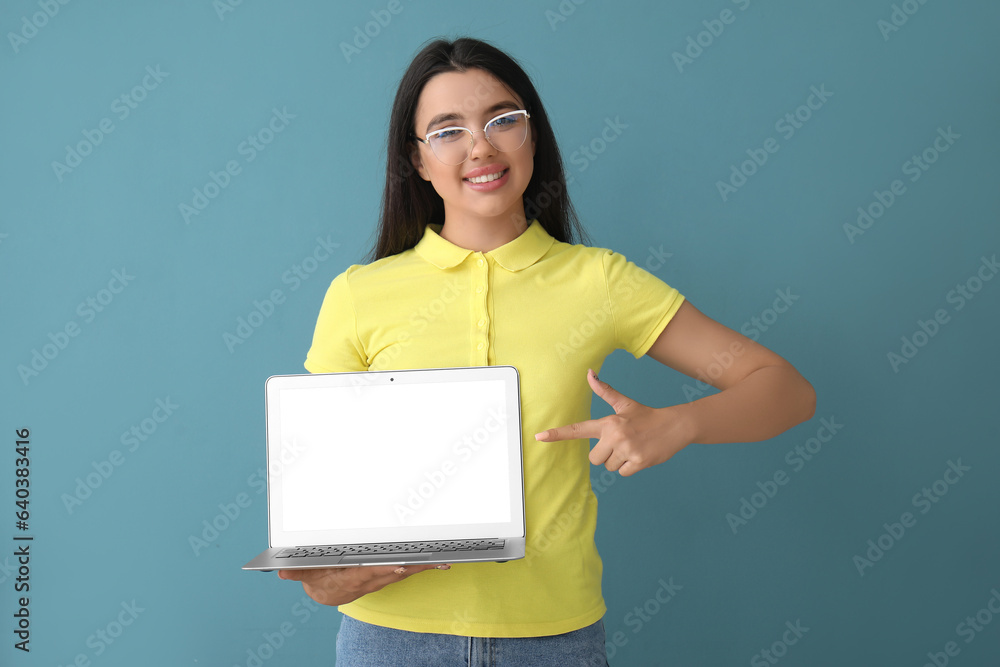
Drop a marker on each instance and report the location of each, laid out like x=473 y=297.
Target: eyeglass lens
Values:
x=506 y=133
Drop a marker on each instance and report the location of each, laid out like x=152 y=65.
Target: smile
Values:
x=487 y=178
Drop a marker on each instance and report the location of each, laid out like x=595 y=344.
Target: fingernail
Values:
x=444 y=566
x=400 y=570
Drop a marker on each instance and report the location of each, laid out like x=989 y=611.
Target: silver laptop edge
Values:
x=513 y=545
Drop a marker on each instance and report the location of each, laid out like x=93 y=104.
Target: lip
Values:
x=485 y=171
x=491 y=185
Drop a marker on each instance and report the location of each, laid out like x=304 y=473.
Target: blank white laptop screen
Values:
x=391 y=460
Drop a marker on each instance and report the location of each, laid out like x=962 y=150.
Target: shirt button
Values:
x=479 y=347
x=481 y=262
x=482 y=322
x=479 y=290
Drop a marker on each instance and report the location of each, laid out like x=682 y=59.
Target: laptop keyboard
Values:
x=400 y=548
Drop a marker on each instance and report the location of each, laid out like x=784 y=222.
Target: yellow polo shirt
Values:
x=550 y=309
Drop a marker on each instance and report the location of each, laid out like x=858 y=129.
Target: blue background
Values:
x=651 y=192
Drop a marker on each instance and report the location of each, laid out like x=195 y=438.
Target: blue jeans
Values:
x=364 y=645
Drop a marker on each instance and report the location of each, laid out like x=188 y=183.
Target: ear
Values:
x=418 y=162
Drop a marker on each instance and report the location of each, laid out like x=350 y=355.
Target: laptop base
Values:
x=270 y=560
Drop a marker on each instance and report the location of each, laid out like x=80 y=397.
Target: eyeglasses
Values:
x=453 y=145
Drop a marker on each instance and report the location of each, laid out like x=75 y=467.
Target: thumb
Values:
x=615 y=399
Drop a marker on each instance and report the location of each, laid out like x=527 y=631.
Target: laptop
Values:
x=393 y=468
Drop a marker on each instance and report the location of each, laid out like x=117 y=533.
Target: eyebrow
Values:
x=448 y=117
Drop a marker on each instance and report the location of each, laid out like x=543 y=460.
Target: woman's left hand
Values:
x=635 y=437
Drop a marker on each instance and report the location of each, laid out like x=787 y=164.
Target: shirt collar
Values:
x=515 y=255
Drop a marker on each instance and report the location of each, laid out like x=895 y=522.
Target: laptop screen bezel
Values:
x=279 y=536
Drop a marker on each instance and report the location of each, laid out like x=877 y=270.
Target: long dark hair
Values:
x=409 y=202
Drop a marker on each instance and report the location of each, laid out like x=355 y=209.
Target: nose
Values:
x=481 y=146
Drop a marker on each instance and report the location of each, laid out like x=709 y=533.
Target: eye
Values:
x=506 y=122
x=448 y=135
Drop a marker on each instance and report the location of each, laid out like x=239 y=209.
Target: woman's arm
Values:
x=761 y=396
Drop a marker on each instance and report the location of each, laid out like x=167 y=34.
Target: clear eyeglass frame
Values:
x=427 y=138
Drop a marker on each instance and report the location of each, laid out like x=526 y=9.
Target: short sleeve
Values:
x=641 y=304
x=336 y=347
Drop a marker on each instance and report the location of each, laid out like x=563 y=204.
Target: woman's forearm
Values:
x=765 y=403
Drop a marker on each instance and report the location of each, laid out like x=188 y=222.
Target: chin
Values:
x=492 y=211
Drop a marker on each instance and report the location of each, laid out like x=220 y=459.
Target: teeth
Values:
x=487 y=178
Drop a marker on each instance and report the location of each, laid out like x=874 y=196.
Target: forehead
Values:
x=466 y=94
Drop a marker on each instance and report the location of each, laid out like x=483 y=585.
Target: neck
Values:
x=483 y=234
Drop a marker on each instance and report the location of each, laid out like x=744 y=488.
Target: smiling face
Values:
x=471 y=99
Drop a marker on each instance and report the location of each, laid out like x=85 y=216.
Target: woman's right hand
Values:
x=340 y=585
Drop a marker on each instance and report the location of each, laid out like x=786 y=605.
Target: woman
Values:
x=462 y=276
